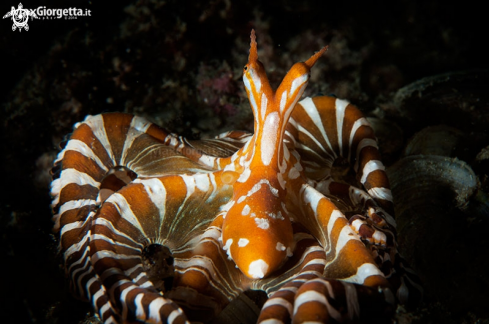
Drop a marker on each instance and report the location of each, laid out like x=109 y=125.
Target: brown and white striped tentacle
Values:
x=144 y=212
x=347 y=258
x=84 y=172
x=173 y=211
x=348 y=198
x=81 y=167
x=307 y=263
x=309 y=296
x=212 y=153
x=325 y=129
x=206 y=280
x=343 y=247
x=322 y=300
x=89 y=239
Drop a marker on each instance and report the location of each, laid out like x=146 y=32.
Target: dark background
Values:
x=178 y=63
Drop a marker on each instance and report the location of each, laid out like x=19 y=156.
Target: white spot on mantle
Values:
x=246 y=210
x=243 y=242
x=257 y=269
x=262 y=223
x=280 y=247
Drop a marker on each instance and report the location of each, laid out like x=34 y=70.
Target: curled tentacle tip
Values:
x=312 y=60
